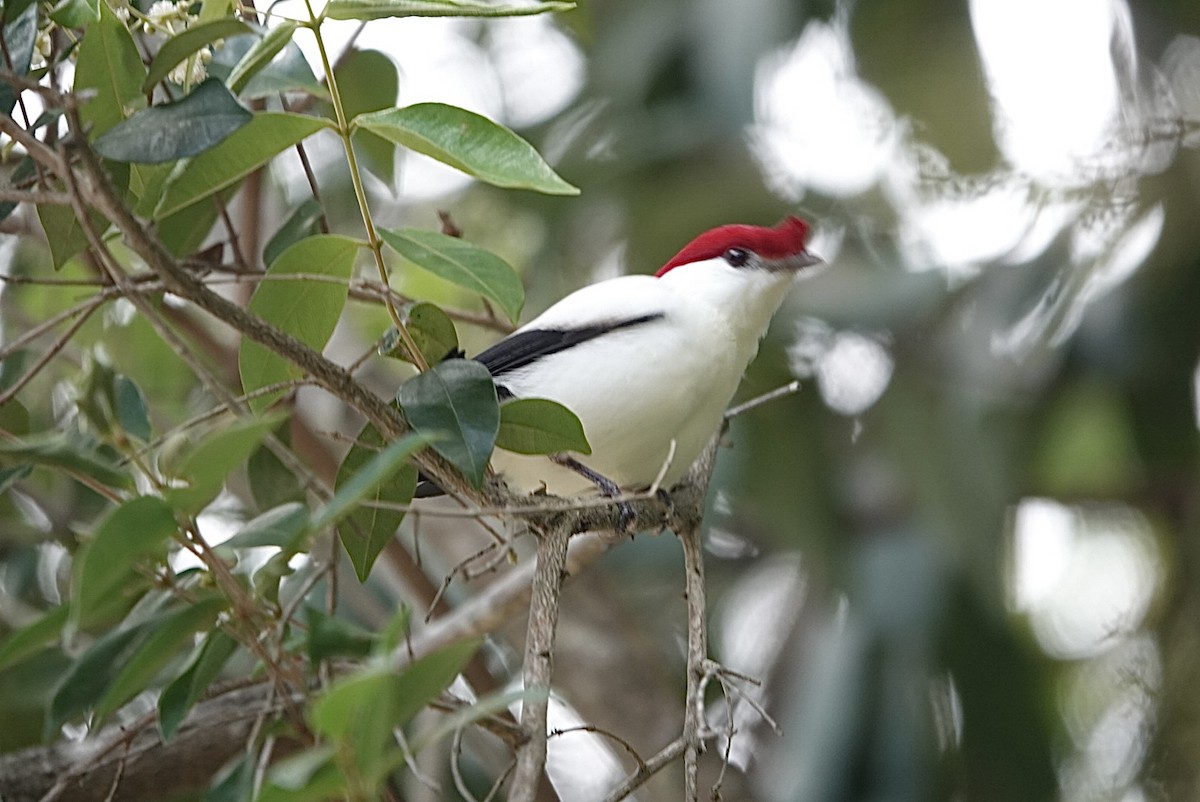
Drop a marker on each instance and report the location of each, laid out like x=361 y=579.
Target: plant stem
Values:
x=360 y=192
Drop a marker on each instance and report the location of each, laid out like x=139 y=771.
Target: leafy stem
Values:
x=345 y=131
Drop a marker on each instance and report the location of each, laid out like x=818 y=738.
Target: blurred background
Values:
x=964 y=559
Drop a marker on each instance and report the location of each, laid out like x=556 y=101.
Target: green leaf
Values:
x=104 y=568
x=377 y=9
x=497 y=703
x=540 y=426
x=266 y=579
x=19 y=32
x=420 y=683
x=288 y=72
x=455 y=402
x=364 y=531
x=303 y=222
x=332 y=637
x=235 y=783
x=9 y=476
x=271 y=482
x=139 y=666
x=180 y=130
x=203 y=469
x=260 y=55
x=461 y=263
x=467 y=142
x=132 y=415
x=182 y=694
x=69 y=452
x=84 y=682
x=368 y=81
x=359 y=713
x=282 y=526
x=64 y=235
x=306 y=309
x=363 y=482
x=25 y=167
x=430 y=328
x=310 y=776
x=185 y=43
x=75 y=13
x=247 y=149
x=33 y=638
x=184 y=231
x=109 y=63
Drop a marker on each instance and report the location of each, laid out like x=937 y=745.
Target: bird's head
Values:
x=741 y=271
x=778 y=249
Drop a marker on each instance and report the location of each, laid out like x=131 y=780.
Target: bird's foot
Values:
x=626 y=517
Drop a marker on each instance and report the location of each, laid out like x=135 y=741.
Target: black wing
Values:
x=526 y=347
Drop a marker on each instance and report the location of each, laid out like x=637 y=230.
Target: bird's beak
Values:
x=797 y=262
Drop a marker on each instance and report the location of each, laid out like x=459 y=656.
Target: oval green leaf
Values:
x=249 y=148
x=185 y=690
x=372 y=472
x=540 y=426
x=85 y=681
x=109 y=64
x=368 y=81
x=201 y=472
x=132 y=415
x=260 y=55
x=75 y=13
x=138 y=528
x=303 y=222
x=305 y=308
x=432 y=331
x=377 y=9
x=139 y=667
x=461 y=263
x=33 y=638
x=183 y=44
x=467 y=142
x=456 y=403
x=281 y=526
x=70 y=452
x=180 y=130
x=362 y=710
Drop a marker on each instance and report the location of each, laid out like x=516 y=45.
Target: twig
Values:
x=612 y=736
x=37 y=197
x=538 y=668
x=59 y=343
x=654 y=764
x=758 y=401
x=697 y=654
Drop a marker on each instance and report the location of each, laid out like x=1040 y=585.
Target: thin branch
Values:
x=758 y=401
x=52 y=351
x=538 y=668
x=665 y=757
x=697 y=654
x=34 y=196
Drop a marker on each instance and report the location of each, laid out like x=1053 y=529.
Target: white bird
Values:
x=647 y=361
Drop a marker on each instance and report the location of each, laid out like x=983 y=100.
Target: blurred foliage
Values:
x=901 y=659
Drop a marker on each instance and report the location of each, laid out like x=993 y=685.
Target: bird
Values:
x=648 y=363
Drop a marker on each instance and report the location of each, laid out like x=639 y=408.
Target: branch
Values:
x=539 y=663
x=97 y=190
x=697 y=654
x=215 y=732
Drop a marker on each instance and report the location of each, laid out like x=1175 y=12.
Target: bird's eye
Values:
x=737 y=257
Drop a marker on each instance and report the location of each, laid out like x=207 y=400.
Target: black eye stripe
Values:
x=736 y=257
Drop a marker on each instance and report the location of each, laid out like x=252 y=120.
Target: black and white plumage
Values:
x=647 y=360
